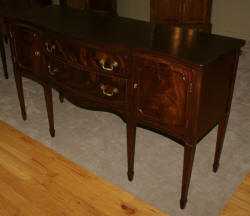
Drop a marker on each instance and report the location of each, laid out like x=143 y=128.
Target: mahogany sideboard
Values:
x=177 y=81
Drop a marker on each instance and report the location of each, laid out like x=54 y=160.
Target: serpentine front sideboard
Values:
x=177 y=81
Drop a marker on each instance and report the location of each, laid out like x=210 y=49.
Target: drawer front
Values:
x=66 y=51
x=108 y=62
x=88 y=84
x=91 y=59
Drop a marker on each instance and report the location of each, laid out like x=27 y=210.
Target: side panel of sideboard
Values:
x=217 y=81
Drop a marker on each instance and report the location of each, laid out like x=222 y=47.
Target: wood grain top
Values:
x=36 y=181
x=239 y=204
x=187 y=45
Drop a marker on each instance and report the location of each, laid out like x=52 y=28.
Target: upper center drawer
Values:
x=66 y=51
x=89 y=57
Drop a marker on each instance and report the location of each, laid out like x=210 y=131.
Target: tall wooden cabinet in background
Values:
x=186 y=13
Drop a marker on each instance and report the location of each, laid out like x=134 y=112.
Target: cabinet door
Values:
x=26 y=49
x=196 y=11
x=162 y=91
x=165 y=11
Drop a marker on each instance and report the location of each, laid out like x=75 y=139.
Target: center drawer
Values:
x=87 y=84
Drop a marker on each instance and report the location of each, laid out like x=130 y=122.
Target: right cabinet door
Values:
x=161 y=92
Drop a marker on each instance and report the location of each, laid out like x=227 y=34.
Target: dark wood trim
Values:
x=3 y=56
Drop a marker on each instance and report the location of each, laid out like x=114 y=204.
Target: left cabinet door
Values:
x=26 y=49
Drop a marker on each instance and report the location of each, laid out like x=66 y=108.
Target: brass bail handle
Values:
x=51 y=48
x=114 y=91
x=37 y=53
x=52 y=71
x=113 y=65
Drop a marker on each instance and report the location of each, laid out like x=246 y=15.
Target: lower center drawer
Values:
x=87 y=84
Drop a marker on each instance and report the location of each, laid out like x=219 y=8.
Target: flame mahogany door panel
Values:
x=12 y=6
x=162 y=92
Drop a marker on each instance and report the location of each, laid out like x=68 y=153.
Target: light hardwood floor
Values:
x=36 y=181
x=239 y=204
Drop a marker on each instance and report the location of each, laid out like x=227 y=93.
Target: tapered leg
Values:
x=19 y=86
x=61 y=97
x=219 y=144
x=131 y=132
x=49 y=106
x=189 y=152
x=3 y=57
x=223 y=124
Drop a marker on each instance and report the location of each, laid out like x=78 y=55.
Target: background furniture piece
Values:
x=7 y=7
x=100 y=6
x=185 y=13
x=174 y=80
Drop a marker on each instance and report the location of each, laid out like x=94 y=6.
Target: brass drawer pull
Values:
x=113 y=65
x=50 y=49
x=52 y=72
x=114 y=91
x=37 y=53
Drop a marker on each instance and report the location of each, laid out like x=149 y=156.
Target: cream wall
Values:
x=229 y=17
x=232 y=18
x=137 y=9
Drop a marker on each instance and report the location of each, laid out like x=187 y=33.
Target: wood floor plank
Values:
x=35 y=180
x=239 y=204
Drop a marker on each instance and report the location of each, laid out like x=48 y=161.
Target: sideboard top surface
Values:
x=187 y=45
